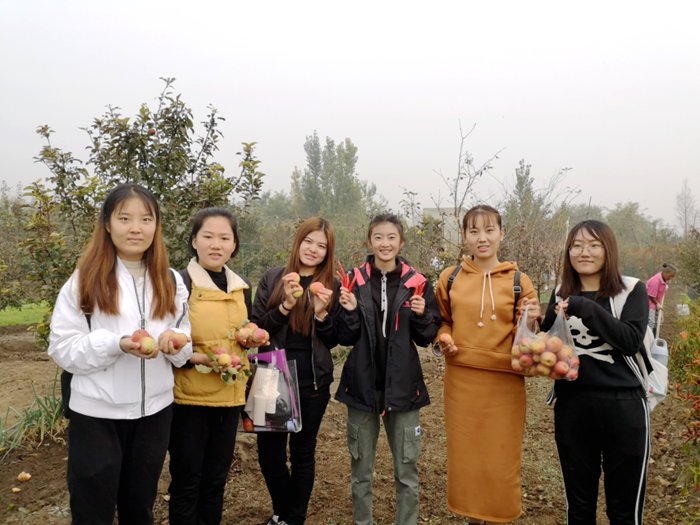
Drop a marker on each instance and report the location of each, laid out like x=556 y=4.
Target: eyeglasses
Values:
x=593 y=250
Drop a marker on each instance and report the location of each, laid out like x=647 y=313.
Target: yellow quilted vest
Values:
x=214 y=315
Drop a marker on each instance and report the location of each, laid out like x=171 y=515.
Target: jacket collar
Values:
x=411 y=282
x=200 y=278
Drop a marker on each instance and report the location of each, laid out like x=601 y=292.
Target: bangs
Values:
x=119 y=206
x=488 y=218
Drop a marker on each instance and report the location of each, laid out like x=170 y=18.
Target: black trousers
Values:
x=115 y=463
x=202 y=441
x=615 y=432
x=291 y=491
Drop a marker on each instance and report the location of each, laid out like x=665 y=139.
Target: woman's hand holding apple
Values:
x=447 y=345
x=292 y=290
x=322 y=299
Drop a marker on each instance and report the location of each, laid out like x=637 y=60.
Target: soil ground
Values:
x=44 y=499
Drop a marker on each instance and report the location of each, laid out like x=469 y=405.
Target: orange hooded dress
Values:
x=484 y=397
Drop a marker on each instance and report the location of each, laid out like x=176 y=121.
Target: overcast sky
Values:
x=610 y=89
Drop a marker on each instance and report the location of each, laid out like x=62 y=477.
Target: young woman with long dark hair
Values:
x=306 y=328
x=121 y=396
x=481 y=302
x=602 y=418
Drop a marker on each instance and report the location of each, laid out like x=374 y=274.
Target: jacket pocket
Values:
x=354 y=440
x=411 y=444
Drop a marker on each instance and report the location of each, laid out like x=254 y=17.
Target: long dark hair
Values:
x=203 y=215
x=300 y=318
x=97 y=279
x=611 y=279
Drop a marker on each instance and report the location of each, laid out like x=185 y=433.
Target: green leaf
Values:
x=204 y=369
x=210 y=355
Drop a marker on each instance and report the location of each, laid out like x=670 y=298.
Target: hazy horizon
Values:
x=609 y=90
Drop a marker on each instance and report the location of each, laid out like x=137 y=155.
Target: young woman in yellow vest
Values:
x=484 y=397
x=206 y=411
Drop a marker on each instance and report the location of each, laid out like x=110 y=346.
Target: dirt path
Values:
x=45 y=500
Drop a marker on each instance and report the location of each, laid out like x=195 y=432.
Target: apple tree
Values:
x=159 y=149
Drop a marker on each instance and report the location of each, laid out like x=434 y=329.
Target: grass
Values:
x=43 y=418
x=28 y=314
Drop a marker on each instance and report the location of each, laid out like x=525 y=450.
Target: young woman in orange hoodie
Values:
x=480 y=304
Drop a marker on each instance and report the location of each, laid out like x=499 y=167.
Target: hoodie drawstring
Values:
x=493 y=302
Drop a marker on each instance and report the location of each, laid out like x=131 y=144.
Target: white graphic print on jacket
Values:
x=588 y=344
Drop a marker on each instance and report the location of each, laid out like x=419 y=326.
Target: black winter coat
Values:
x=324 y=335
x=405 y=389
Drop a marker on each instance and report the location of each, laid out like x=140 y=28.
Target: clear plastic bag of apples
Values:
x=549 y=354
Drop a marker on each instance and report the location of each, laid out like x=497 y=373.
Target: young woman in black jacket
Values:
x=382 y=377
x=304 y=325
x=604 y=413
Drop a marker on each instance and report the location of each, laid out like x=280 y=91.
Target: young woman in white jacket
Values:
x=121 y=396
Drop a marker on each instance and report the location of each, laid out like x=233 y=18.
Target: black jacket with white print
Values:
x=605 y=344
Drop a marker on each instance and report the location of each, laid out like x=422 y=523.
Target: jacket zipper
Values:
x=143 y=327
x=398 y=304
x=313 y=351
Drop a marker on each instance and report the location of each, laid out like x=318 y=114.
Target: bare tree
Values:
x=686 y=210
x=535 y=221
x=460 y=189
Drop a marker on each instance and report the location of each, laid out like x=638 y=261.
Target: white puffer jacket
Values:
x=107 y=382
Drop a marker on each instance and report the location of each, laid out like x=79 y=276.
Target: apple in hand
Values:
x=295 y=277
x=224 y=360
x=146 y=343
x=248 y=425
x=316 y=287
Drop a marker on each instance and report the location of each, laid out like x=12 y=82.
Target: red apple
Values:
x=259 y=335
x=148 y=344
x=574 y=361
x=554 y=344
x=220 y=351
x=445 y=339
x=565 y=353
x=538 y=346
x=138 y=335
x=548 y=359
x=526 y=361
x=555 y=376
x=516 y=365
x=561 y=368
x=515 y=352
x=248 y=425
x=573 y=374
x=151 y=131
x=235 y=360
x=543 y=370
x=178 y=340
x=316 y=287
x=525 y=345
